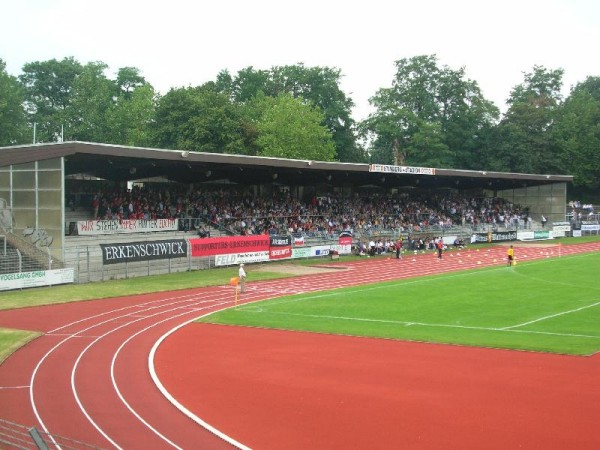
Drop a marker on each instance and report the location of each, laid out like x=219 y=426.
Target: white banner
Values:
x=590 y=227
x=39 y=278
x=342 y=249
x=237 y=258
x=96 y=227
x=401 y=169
x=563 y=228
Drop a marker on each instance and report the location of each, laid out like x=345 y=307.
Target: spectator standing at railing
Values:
x=544 y=220
x=95 y=206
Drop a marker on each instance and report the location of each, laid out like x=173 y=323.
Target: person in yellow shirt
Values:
x=510 y=254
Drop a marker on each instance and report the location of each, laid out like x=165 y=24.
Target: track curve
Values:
x=89 y=375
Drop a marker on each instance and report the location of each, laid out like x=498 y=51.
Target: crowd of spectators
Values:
x=238 y=211
x=582 y=211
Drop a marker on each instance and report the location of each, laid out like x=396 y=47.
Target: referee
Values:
x=510 y=256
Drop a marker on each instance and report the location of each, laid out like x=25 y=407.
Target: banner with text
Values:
x=229 y=245
x=401 y=169
x=22 y=280
x=494 y=236
x=95 y=227
x=237 y=258
x=142 y=251
x=280 y=247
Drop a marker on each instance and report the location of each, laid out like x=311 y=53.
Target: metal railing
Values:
x=16 y=436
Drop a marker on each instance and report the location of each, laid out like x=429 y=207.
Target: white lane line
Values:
x=112 y=311
x=47 y=355
x=82 y=353
x=174 y=401
x=114 y=381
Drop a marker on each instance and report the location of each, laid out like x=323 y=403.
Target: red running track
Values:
x=88 y=377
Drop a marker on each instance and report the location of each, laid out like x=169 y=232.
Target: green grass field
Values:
x=550 y=305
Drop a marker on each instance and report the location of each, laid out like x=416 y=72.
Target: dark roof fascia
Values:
x=36 y=152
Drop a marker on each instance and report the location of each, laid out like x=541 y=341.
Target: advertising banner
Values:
x=345 y=249
x=345 y=240
x=541 y=234
x=303 y=252
x=563 y=228
x=401 y=169
x=142 y=251
x=280 y=247
x=320 y=250
x=96 y=227
x=229 y=245
x=39 y=278
x=237 y=258
x=595 y=227
x=494 y=236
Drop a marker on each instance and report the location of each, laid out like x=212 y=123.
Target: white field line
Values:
x=433 y=325
x=334 y=290
x=550 y=316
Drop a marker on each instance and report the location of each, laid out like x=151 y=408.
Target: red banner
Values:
x=229 y=245
x=345 y=240
x=280 y=252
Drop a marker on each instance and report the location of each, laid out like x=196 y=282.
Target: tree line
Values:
x=430 y=115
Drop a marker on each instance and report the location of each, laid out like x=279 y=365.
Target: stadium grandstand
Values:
x=79 y=212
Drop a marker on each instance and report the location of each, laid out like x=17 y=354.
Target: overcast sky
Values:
x=181 y=43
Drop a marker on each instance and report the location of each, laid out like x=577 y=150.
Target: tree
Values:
x=13 y=120
x=290 y=128
x=48 y=87
x=199 y=119
x=317 y=85
x=91 y=101
x=527 y=125
x=128 y=80
x=131 y=119
x=577 y=134
x=430 y=115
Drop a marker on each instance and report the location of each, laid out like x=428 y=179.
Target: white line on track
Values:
x=63 y=341
x=392 y=270
x=74 y=387
x=174 y=401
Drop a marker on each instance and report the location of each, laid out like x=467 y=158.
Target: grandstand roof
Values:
x=122 y=163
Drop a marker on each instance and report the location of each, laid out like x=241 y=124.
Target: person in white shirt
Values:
x=242 y=277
